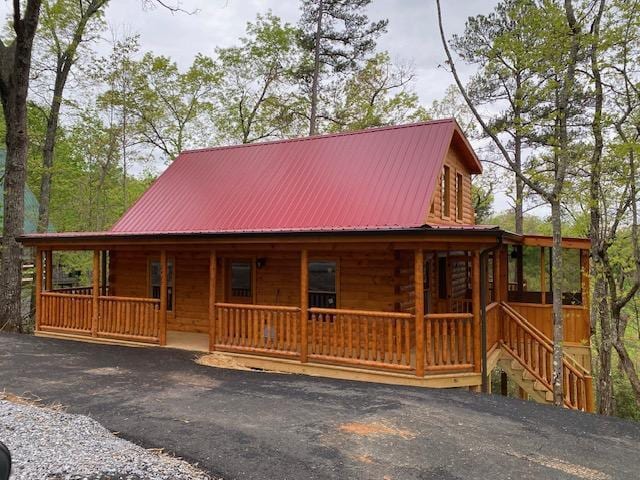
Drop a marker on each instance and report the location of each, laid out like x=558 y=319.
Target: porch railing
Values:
x=449 y=341
x=357 y=337
x=129 y=318
x=123 y=318
x=257 y=329
x=66 y=312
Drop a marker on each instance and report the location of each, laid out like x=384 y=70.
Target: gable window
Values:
x=155 y=281
x=323 y=283
x=446 y=192
x=459 y=197
x=241 y=279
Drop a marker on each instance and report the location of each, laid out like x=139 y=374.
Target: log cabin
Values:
x=353 y=255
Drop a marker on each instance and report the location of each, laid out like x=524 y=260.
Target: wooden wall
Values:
x=366 y=281
x=453 y=160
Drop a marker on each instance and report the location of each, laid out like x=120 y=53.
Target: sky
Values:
x=412 y=35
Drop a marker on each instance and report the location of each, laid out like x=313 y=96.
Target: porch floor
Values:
x=196 y=342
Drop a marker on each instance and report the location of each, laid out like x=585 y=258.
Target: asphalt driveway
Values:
x=255 y=425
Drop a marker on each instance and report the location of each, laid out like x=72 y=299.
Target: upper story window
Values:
x=459 y=196
x=446 y=192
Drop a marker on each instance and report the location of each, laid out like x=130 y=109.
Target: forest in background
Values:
x=553 y=110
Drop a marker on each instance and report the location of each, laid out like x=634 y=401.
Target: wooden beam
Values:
x=38 y=287
x=584 y=275
x=543 y=287
x=212 y=299
x=95 y=292
x=304 y=303
x=475 y=306
x=418 y=277
x=48 y=284
x=104 y=280
x=163 y=297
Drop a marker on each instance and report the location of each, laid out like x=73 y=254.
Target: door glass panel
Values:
x=322 y=284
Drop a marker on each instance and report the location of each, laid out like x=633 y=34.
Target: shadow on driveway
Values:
x=254 y=425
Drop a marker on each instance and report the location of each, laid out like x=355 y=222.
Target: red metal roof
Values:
x=372 y=179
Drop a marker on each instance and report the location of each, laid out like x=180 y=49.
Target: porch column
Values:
x=584 y=274
x=48 y=257
x=418 y=277
x=95 y=292
x=475 y=308
x=304 y=303
x=103 y=271
x=212 y=299
x=162 y=334
x=38 y=286
x=543 y=286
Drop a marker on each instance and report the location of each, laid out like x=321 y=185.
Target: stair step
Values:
x=527 y=376
x=549 y=396
x=539 y=387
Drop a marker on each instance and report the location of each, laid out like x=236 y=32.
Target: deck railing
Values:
x=74 y=290
x=534 y=352
x=123 y=318
x=129 y=318
x=66 y=312
x=364 y=338
x=257 y=329
x=449 y=341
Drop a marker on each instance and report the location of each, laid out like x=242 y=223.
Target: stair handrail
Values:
x=571 y=362
x=579 y=371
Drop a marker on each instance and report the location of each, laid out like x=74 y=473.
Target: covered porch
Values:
x=413 y=309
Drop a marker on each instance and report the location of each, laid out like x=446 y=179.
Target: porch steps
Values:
x=533 y=388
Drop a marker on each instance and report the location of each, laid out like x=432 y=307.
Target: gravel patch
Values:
x=50 y=444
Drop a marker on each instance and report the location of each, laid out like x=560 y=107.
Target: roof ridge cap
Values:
x=321 y=136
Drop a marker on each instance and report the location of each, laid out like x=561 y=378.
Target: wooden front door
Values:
x=240 y=281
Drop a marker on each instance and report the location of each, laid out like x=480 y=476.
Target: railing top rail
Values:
x=250 y=306
x=129 y=299
x=64 y=295
x=66 y=289
x=453 y=316
x=491 y=306
x=368 y=313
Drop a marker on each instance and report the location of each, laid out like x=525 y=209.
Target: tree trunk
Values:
x=48 y=151
x=601 y=310
x=15 y=65
x=558 y=327
x=316 y=73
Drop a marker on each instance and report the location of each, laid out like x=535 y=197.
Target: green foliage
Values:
x=256 y=97
x=377 y=95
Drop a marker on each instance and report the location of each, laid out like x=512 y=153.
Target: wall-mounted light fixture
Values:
x=261 y=262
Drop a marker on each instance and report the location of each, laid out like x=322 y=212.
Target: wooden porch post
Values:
x=163 y=298
x=475 y=306
x=39 y=286
x=48 y=257
x=418 y=276
x=95 y=292
x=212 y=299
x=584 y=273
x=304 y=303
x=543 y=286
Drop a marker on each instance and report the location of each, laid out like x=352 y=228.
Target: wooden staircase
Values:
x=527 y=357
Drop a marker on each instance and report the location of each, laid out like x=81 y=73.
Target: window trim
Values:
x=459 y=196
x=445 y=192
x=170 y=260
